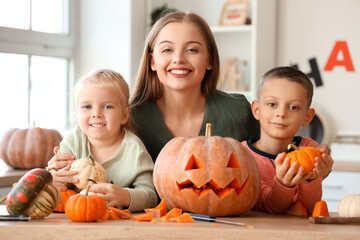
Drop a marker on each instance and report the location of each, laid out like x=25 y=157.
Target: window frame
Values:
x=34 y=43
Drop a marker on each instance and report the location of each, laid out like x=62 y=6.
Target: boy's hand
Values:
x=288 y=177
x=323 y=167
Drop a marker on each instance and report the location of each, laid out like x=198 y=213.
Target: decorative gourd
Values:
x=207 y=175
x=305 y=157
x=88 y=168
x=65 y=196
x=349 y=206
x=34 y=195
x=84 y=208
x=28 y=148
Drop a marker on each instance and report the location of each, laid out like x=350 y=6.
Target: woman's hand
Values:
x=114 y=195
x=59 y=166
x=288 y=177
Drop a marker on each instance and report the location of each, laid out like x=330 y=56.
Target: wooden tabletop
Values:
x=266 y=226
x=9 y=175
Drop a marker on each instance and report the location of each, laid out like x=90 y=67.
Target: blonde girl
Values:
x=105 y=133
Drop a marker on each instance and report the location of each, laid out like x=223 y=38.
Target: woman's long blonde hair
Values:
x=147 y=86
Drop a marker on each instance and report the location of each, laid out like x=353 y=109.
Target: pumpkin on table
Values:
x=207 y=175
x=29 y=148
x=349 y=206
x=34 y=195
x=305 y=157
x=85 y=208
x=65 y=196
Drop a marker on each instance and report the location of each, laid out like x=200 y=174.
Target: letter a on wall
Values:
x=340 y=47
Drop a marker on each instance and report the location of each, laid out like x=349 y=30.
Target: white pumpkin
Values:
x=88 y=168
x=349 y=206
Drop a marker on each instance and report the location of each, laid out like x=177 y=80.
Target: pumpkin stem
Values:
x=87 y=190
x=92 y=161
x=3 y=199
x=208 y=130
x=290 y=146
x=88 y=187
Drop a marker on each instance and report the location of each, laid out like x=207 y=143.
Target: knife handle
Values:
x=202 y=217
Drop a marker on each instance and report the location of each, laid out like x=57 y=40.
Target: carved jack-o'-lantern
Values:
x=207 y=175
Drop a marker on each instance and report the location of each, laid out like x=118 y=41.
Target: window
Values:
x=36 y=57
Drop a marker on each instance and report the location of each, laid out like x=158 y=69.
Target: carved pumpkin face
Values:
x=207 y=175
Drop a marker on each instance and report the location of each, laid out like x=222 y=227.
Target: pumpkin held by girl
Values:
x=207 y=175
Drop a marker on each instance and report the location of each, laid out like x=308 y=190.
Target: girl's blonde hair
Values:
x=107 y=79
x=147 y=86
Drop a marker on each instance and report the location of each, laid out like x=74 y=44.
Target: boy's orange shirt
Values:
x=276 y=198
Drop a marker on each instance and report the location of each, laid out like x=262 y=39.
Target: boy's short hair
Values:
x=292 y=74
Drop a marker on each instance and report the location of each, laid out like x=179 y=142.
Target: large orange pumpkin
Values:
x=29 y=148
x=305 y=157
x=207 y=175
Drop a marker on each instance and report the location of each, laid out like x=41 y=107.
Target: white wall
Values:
x=111 y=35
x=309 y=29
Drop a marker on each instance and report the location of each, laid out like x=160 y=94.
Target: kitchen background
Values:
x=320 y=37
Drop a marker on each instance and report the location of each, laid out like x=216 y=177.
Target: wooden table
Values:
x=9 y=175
x=266 y=226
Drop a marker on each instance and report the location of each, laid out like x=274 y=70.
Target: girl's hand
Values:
x=288 y=177
x=59 y=161
x=63 y=176
x=59 y=166
x=114 y=195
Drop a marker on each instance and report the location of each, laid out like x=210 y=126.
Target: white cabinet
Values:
x=254 y=43
x=339 y=184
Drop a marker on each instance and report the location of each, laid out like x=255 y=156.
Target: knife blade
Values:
x=13 y=218
x=207 y=218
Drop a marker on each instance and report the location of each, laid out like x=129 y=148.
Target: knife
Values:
x=13 y=218
x=207 y=218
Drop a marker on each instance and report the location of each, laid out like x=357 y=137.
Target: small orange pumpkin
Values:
x=207 y=175
x=28 y=148
x=84 y=208
x=305 y=157
x=65 y=196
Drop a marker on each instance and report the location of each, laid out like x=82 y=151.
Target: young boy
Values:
x=283 y=106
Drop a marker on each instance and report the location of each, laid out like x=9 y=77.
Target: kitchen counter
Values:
x=9 y=175
x=266 y=226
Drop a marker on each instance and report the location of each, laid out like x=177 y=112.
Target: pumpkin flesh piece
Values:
x=298 y=209
x=123 y=214
x=320 y=209
x=175 y=212
x=145 y=217
x=183 y=218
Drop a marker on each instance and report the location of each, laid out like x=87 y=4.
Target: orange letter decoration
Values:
x=340 y=46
